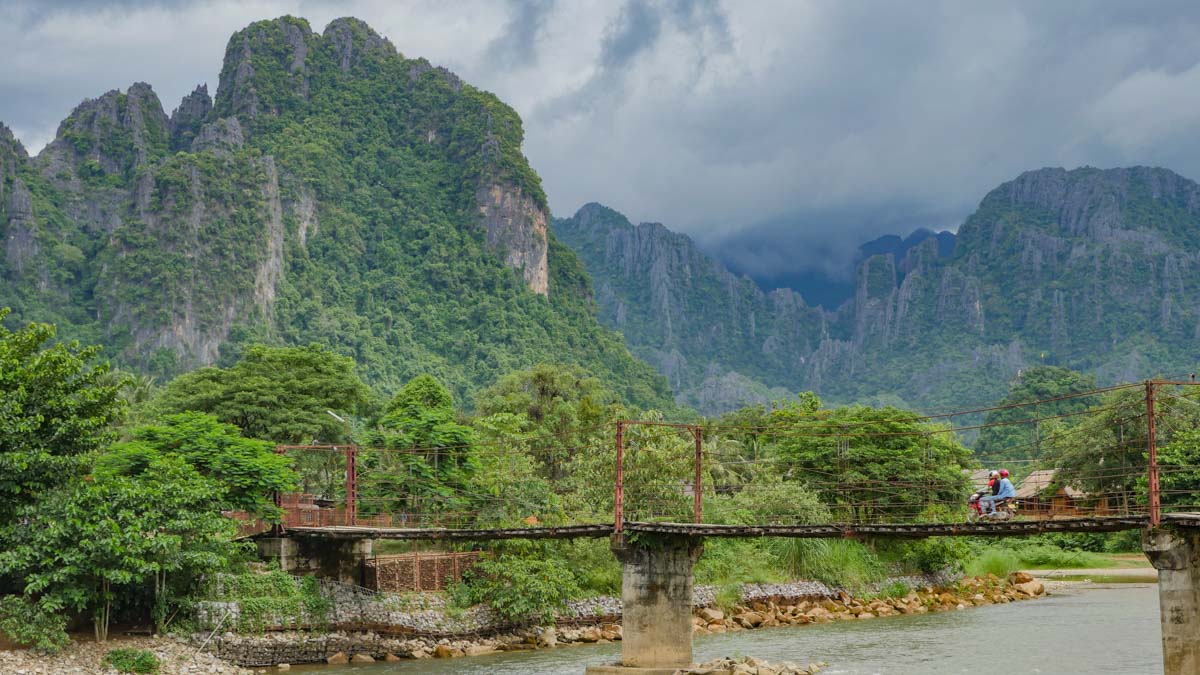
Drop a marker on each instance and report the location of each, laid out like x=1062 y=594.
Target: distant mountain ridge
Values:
x=333 y=191
x=1091 y=269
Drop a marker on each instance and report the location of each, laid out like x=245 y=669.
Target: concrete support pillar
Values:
x=340 y=559
x=656 y=591
x=1176 y=556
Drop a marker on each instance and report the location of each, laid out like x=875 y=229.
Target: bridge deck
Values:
x=1008 y=528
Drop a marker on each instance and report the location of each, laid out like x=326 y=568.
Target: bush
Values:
x=33 y=624
x=928 y=555
x=994 y=561
x=140 y=661
x=836 y=562
x=518 y=589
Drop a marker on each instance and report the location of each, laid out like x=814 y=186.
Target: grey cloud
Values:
x=781 y=133
x=517 y=45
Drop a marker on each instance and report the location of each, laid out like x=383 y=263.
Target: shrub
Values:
x=140 y=661
x=33 y=624
x=994 y=561
x=518 y=589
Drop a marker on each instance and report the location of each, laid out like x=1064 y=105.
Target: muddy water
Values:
x=1107 y=628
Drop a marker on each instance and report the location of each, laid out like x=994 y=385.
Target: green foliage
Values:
x=836 y=562
x=278 y=394
x=273 y=598
x=850 y=452
x=83 y=545
x=246 y=470
x=33 y=624
x=1002 y=440
x=55 y=408
x=937 y=554
x=995 y=561
x=520 y=589
x=139 y=661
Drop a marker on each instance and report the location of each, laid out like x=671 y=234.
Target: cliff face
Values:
x=332 y=191
x=1089 y=269
x=718 y=338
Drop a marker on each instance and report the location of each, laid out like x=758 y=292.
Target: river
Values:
x=1083 y=630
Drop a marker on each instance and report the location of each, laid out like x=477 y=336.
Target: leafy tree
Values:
x=86 y=545
x=55 y=408
x=562 y=408
x=278 y=394
x=247 y=471
x=425 y=455
x=1179 y=469
x=1105 y=453
x=874 y=463
x=1005 y=437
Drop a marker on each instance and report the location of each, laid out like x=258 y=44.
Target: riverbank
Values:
x=85 y=657
x=598 y=622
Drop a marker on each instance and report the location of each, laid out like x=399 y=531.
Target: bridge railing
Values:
x=1123 y=451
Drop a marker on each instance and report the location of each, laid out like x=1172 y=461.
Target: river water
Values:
x=1083 y=630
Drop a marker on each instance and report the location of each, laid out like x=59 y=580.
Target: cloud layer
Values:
x=814 y=124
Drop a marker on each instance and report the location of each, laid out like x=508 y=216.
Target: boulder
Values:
x=390 y=657
x=1019 y=578
x=1031 y=587
x=338 y=659
x=710 y=614
x=442 y=652
x=362 y=658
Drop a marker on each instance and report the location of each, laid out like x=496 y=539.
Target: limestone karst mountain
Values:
x=1097 y=270
x=333 y=191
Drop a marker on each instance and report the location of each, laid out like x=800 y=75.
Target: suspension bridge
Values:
x=1083 y=462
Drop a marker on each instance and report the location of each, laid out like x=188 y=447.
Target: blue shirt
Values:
x=1007 y=491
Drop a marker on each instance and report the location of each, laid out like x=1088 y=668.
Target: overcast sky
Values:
x=779 y=133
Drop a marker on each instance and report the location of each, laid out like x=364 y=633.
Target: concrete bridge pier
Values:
x=1176 y=556
x=656 y=591
x=340 y=559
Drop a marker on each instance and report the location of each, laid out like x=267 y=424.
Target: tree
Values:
x=562 y=408
x=425 y=452
x=1004 y=437
x=277 y=394
x=1105 y=453
x=247 y=471
x=89 y=544
x=875 y=463
x=55 y=408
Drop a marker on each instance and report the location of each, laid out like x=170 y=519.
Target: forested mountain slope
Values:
x=334 y=191
x=1096 y=270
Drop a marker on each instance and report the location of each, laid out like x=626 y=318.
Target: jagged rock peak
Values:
x=117 y=130
x=1092 y=201
x=187 y=119
x=9 y=143
x=259 y=54
x=353 y=39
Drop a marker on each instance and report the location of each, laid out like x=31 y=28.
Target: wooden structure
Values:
x=417 y=571
x=1040 y=496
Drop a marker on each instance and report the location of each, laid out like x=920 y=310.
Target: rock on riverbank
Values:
x=748 y=665
x=86 y=658
x=970 y=592
x=762 y=606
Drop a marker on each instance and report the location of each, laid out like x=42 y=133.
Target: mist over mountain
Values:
x=1091 y=269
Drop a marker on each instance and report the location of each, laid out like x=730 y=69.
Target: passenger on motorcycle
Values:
x=1004 y=492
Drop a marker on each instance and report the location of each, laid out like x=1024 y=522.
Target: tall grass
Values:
x=836 y=562
x=996 y=561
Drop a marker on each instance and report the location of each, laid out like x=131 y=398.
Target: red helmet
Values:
x=1004 y=473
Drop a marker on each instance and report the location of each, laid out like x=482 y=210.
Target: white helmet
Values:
x=994 y=474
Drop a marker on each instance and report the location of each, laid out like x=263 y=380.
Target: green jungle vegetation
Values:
x=1086 y=269
x=204 y=250
x=95 y=464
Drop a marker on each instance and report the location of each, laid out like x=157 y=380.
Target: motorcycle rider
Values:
x=1003 y=489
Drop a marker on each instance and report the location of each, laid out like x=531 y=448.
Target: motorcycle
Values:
x=1005 y=510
